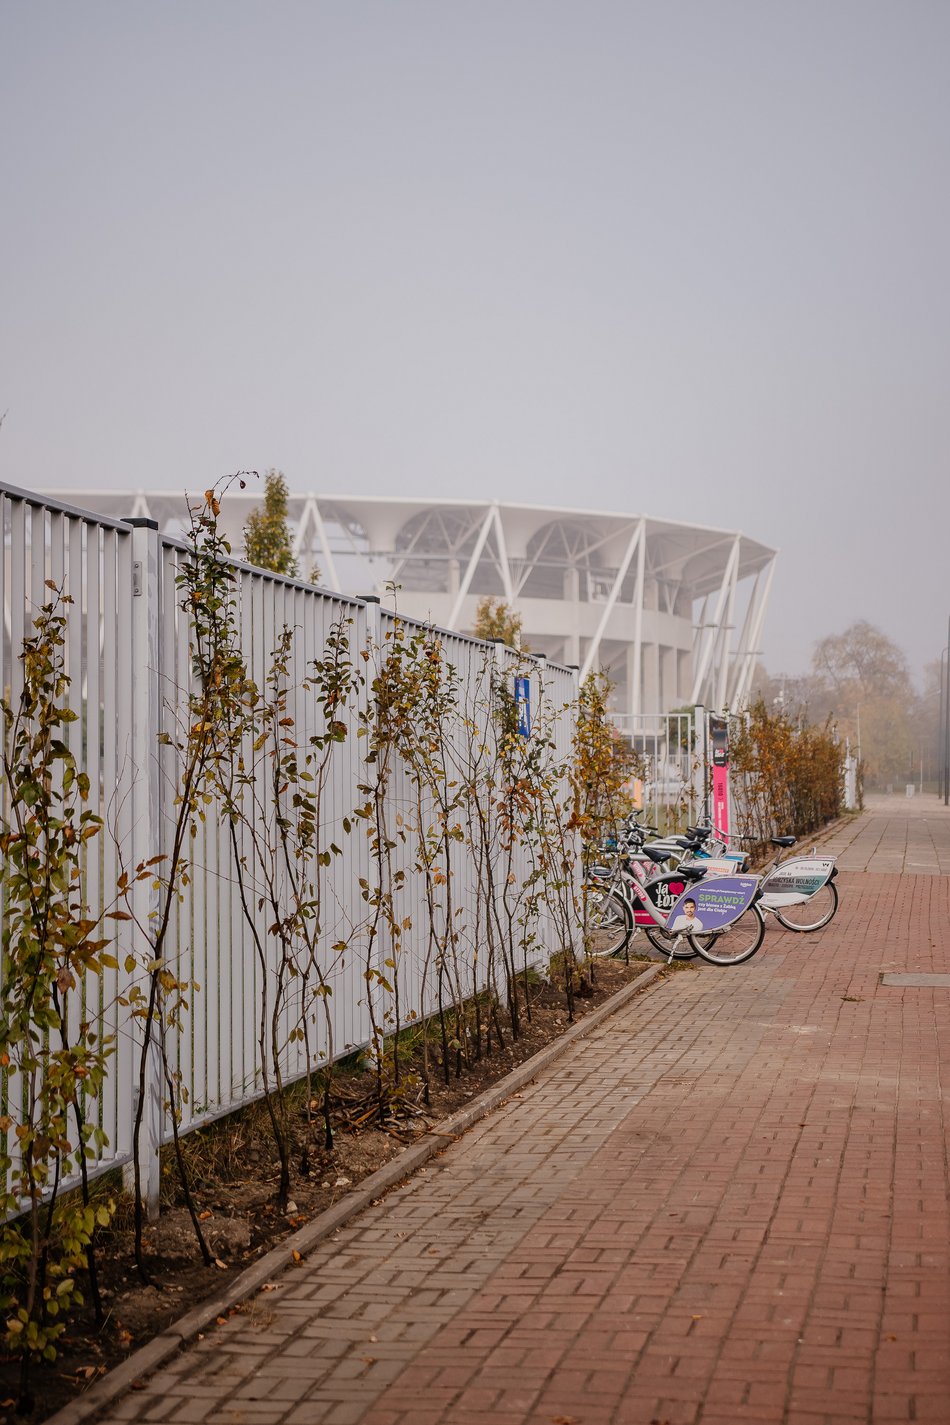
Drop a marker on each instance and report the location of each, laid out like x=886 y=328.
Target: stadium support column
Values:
x=319 y=547
x=749 y=648
x=572 y=597
x=472 y=565
x=650 y=693
x=707 y=634
x=636 y=540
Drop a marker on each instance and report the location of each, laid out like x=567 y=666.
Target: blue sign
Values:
x=523 y=704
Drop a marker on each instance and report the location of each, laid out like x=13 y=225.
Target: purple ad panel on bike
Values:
x=712 y=905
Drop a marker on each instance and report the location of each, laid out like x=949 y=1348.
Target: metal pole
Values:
x=946 y=720
x=940 y=747
x=145 y=595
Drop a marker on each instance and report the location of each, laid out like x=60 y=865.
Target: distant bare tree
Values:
x=862 y=680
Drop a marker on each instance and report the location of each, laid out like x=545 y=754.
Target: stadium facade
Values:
x=672 y=611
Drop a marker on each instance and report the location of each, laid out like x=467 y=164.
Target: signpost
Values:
x=523 y=704
x=719 y=742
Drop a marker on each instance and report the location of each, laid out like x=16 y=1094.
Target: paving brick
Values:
x=728 y=1203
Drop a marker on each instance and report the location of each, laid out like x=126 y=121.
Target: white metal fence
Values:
x=672 y=751
x=129 y=657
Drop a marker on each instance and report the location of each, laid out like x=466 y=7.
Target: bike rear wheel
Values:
x=735 y=944
x=676 y=947
x=608 y=921
x=813 y=913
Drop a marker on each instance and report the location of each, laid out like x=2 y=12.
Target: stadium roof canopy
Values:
x=672 y=610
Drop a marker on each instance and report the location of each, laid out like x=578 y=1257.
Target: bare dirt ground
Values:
x=234 y=1174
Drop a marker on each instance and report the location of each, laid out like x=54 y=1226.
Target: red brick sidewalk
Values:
x=730 y=1203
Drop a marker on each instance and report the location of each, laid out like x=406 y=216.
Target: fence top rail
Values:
x=520 y=653
x=170 y=541
x=39 y=500
x=543 y=661
x=48 y=502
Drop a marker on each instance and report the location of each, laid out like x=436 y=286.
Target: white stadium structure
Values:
x=673 y=611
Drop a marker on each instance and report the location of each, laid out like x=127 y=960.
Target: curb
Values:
x=170 y=1341
x=831 y=827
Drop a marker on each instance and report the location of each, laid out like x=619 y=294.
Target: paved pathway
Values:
x=897 y=834
x=729 y=1203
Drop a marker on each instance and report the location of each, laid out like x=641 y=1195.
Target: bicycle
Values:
x=614 y=912
x=800 y=892
x=621 y=893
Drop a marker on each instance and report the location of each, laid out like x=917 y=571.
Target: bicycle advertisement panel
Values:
x=664 y=894
x=795 y=881
x=712 y=905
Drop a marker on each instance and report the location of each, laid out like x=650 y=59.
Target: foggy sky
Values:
x=689 y=259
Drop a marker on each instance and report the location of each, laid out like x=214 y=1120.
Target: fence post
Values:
x=373 y=670
x=146 y=816
x=578 y=886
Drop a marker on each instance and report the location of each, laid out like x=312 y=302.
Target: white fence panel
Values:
x=225 y=940
x=130 y=654
x=88 y=560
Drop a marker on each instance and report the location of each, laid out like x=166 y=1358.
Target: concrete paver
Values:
x=729 y=1203
x=899 y=834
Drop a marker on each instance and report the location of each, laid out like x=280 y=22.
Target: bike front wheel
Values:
x=608 y=921
x=813 y=913
x=736 y=943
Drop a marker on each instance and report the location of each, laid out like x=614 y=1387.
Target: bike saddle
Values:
x=784 y=840
x=664 y=849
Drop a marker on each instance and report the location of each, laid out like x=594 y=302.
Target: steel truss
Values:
x=673 y=611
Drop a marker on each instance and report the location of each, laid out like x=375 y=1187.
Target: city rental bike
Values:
x=800 y=891
x=715 y=916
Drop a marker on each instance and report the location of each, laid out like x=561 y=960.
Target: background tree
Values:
x=860 y=681
x=605 y=764
x=267 y=538
x=496 y=619
x=863 y=659
x=930 y=726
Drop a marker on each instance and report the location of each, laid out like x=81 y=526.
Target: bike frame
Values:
x=624 y=883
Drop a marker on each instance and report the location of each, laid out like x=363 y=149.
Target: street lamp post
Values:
x=946 y=724
x=941 y=753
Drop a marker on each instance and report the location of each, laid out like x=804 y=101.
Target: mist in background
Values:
x=688 y=259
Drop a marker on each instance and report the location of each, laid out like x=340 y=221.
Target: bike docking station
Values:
x=690 y=894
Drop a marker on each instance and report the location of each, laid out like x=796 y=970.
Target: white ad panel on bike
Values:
x=795 y=881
